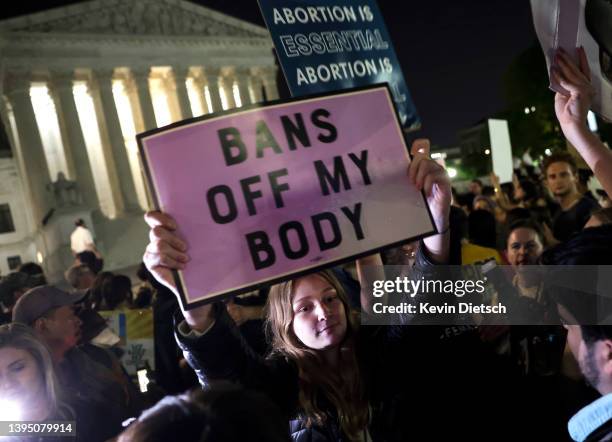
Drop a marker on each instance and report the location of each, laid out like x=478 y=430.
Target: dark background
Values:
x=453 y=53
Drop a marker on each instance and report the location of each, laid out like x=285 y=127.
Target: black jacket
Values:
x=222 y=354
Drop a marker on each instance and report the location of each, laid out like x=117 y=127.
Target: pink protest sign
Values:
x=266 y=193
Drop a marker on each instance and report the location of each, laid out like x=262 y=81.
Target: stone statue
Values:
x=66 y=192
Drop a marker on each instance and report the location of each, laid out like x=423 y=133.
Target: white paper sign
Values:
x=501 y=150
x=569 y=24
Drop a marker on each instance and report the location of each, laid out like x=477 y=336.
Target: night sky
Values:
x=453 y=53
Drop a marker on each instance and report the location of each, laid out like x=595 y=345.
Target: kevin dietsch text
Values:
x=412 y=287
x=428 y=308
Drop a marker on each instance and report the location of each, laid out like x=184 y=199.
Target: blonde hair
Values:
x=22 y=337
x=342 y=387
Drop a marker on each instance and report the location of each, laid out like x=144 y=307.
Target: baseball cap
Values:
x=13 y=282
x=39 y=300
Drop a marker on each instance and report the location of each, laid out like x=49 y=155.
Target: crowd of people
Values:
x=291 y=362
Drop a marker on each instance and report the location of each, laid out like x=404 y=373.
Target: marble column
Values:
x=256 y=87
x=131 y=89
x=117 y=142
x=199 y=81
x=141 y=78
x=17 y=89
x=227 y=80
x=180 y=78
x=242 y=79
x=61 y=87
x=268 y=76
x=106 y=138
x=212 y=76
x=7 y=118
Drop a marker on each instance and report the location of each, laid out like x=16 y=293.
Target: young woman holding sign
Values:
x=321 y=367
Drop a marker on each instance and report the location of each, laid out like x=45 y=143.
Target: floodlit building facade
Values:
x=77 y=84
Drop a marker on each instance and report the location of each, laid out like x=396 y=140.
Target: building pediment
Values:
x=178 y=18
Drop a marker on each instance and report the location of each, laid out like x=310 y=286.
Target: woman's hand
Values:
x=429 y=176
x=572 y=109
x=166 y=252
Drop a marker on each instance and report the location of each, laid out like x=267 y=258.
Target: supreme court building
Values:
x=77 y=83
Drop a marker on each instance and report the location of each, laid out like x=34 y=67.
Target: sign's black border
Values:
x=299 y=273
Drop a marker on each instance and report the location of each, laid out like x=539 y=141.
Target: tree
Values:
x=525 y=85
x=530 y=112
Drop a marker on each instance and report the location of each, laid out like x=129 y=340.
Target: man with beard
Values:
x=92 y=379
x=591 y=345
x=574 y=210
x=582 y=300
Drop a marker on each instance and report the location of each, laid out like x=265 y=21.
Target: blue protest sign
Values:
x=328 y=45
